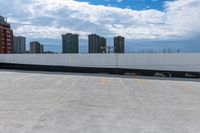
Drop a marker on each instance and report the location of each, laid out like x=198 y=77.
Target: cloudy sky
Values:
x=147 y=25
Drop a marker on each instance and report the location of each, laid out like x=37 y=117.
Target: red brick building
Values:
x=6 y=37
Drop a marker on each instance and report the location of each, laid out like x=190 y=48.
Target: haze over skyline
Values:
x=151 y=25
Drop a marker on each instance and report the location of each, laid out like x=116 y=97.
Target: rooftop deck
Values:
x=44 y=102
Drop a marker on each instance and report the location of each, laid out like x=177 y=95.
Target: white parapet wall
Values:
x=171 y=62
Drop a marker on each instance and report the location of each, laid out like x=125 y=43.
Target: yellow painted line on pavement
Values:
x=103 y=80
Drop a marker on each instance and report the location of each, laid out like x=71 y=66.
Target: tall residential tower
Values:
x=119 y=44
x=96 y=44
x=70 y=43
x=6 y=36
x=36 y=47
x=19 y=44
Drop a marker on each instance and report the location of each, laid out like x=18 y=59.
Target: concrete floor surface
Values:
x=42 y=102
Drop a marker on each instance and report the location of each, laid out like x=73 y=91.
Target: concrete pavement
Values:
x=36 y=102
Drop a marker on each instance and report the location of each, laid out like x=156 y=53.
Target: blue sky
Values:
x=132 y=4
x=147 y=25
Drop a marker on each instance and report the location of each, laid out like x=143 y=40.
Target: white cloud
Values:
x=45 y=31
x=184 y=16
x=180 y=18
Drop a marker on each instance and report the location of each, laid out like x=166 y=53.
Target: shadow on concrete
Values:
x=104 y=75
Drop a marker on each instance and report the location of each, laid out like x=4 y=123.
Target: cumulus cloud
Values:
x=50 y=18
x=45 y=31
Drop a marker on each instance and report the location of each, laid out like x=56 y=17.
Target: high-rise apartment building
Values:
x=70 y=43
x=2 y=19
x=96 y=44
x=41 y=48
x=102 y=45
x=36 y=47
x=19 y=44
x=119 y=44
x=6 y=36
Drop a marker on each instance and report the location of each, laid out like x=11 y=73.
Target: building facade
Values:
x=96 y=44
x=19 y=44
x=102 y=45
x=119 y=44
x=41 y=48
x=70 y=43
x=36 y=47
x=2 y=19
x=6 y=36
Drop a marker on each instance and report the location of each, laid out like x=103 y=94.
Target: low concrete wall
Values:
x=169 y=62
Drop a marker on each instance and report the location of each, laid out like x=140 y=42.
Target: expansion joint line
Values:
x=145 y=107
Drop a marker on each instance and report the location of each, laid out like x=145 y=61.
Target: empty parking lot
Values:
x=43 y=102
